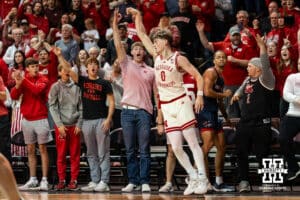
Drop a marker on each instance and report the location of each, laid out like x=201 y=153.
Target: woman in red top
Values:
x=274 y=57
x=285 y=66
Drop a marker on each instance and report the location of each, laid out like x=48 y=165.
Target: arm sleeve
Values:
x=267 y=78
x=16 y=93
x=239 y=91
x=36 y=88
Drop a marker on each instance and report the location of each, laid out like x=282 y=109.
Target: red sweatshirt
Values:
x=207 y=12
x=151 y=14
x=41 y=22
x=3 y=109
x=33 y=106
x=3 y=71
x=100 y=16
x=6 y=6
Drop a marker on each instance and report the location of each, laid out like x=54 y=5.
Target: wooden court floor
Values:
x=153 y=196
x=99 y=196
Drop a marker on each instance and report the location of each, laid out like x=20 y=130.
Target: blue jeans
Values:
x=136 y=126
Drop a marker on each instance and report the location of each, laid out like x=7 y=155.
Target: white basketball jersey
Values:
x=169 y=80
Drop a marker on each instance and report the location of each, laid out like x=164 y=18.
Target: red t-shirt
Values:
x=276 y=35
x=3 y=109
x=207 y=12
x=132 y=34
x=234 y=74
x=151 y=14
x=280 y=77
x=50 y=70
x=3 y=71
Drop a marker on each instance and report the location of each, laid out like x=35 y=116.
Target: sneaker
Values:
x=102 y=187
x=131 y=187
x=61 y=185
x=73 y=185
x=44 y=185
x=193 y=183
x=202 y=186
x=187 y=180
x=244 y=186
x=146 y=187
x=90 y=187
x=166 y=188
x=30 y=185
x=223 y=188
x=292 y=175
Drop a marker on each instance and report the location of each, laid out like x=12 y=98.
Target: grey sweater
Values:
x=65 y=104
x=266 y=78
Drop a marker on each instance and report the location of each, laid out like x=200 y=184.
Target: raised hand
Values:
x=57 y=51
x=117 y=16
x=259 y=40
x=132 y=11
x=200 y=26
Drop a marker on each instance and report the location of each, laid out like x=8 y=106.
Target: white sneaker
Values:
x=146 y=188
x=90 y=187
x=187 y=180
x=202 y=186
x=30 y=185
x=166 y=188
x=131 y=187
x=102 y=187
x=193 y=183
x=44 y=185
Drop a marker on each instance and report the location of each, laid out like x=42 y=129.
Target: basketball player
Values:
x=210 y=127
x=175 y=106
x=8 y=185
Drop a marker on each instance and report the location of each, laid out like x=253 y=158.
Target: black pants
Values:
x=256 y=136
x=5 y=141
x=289 y=128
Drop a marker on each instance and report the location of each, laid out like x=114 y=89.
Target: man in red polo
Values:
x=238 y=55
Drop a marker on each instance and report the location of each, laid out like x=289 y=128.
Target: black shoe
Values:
x=292 y=175
x=223 y=188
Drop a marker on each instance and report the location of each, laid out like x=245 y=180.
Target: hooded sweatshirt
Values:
x=65 y=104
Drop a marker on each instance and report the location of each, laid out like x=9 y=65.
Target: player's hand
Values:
x=160 y=129
x=234 y=98
x=199 y=104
